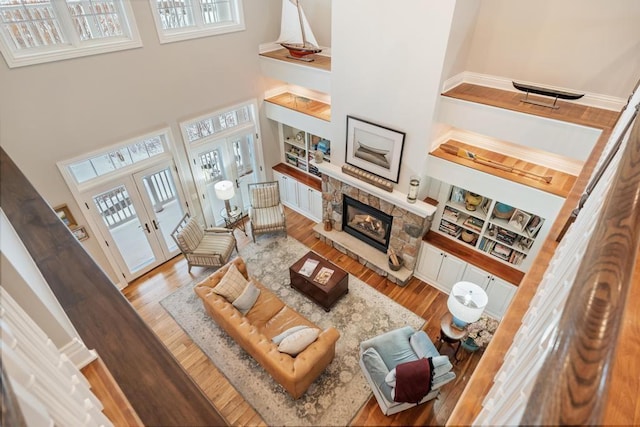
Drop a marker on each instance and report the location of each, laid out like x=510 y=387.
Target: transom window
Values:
x=204 y=127
x=186 y=19
x=107 y=162
x=35 y=31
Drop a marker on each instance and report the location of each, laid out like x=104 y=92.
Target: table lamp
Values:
x=466 y=303
x=224 y=191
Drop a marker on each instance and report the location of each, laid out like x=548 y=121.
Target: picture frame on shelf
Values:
x=374 y=148
x=65 y=215
x=525 y=243
x=457 y=194
x=486 y=202
x=519 y=220
x=80 y=233
x=534 y=226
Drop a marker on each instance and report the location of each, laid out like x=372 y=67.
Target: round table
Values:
x=450 y=334
x=234 y=218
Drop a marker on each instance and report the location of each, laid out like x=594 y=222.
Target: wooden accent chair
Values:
x=211 y=247
x=266 y=213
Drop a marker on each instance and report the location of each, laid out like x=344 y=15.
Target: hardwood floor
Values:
x=146 y=292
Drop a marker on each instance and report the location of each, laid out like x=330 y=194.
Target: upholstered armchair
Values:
x=381 y=356
x=205 y=248
x=266 y=213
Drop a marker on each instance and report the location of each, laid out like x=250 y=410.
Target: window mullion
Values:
x=66 y=22
x=197 y=12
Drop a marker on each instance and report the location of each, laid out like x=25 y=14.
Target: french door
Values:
x=231 y=158
x=136 y=214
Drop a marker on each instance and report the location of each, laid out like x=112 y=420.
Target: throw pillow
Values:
x=247 y=298
x=278 y=338
x=298 y=341
x=231 y=285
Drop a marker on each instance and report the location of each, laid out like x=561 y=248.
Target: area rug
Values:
x=339 y=393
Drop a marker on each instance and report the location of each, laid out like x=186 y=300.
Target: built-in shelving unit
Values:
x=488 y=225
x=299 y=149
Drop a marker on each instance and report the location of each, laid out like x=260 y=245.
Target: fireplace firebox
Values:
x=366 y=223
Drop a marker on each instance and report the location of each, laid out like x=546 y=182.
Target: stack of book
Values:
x=450 y=214
x=506 y=236
x=450 y=228
x=473 y=223
x=501 y=251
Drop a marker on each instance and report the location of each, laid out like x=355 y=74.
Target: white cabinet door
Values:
x=439 y=268
x=500 y=294
x=288 y=189
x=315 y=205
x=429 y=263
x=451 y=271
x=476 y=275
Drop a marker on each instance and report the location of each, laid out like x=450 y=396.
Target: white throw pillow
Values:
x=247 y=298
x=278 y=338
x=232 y=284
x=298 y=341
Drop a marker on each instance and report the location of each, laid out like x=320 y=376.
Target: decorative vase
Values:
x=469 y=345
x=472 y=200
x=327 y=225
x=414 y=184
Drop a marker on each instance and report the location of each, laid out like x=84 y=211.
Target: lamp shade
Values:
x=467 y=301
x=224 y=190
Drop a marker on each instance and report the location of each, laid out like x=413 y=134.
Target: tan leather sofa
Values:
x=267 y=318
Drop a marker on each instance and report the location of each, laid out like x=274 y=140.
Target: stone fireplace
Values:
x=407 y=222
x=366 y=223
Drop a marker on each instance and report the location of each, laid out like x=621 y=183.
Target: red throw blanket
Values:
x=413 y=380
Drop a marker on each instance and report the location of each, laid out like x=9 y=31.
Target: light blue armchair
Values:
x=381 y=354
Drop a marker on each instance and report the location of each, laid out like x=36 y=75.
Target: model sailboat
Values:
x=295 y=33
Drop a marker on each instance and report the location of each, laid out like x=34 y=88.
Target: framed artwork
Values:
x=80 y=233
x=519 y=220
x=374 y=148
x=65 y=216
x=534 y=225
x=457 y=194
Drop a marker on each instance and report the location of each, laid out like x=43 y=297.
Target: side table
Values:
x=450 y=334
x=233 y=219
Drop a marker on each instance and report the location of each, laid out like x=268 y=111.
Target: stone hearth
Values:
x=410 y=223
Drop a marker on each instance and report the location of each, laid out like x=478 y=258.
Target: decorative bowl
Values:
x=503 y=211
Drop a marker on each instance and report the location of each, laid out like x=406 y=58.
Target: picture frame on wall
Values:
x=374 y=148
x=65 y=216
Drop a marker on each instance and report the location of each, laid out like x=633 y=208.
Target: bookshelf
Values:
x=494 y=227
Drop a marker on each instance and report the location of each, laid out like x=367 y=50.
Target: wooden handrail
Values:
x=575 y=383
x=160 y=391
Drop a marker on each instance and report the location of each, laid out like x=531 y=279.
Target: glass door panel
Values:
x=162 y=199
x=208 y=170
x=124 y=226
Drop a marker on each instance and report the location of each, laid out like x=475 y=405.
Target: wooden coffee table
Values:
x=325 y=294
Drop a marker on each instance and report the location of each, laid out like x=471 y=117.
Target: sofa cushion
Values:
x=377 y=371
x=190 y=235
x=247 y=298
x=422 y=345
x=393 y=346
x=231 y=285
x=264 y=197
x=278 y=338
x=298 y=341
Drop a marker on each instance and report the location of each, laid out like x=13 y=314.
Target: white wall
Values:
x=586 y=45
x=386 y=69
x=56 y=111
